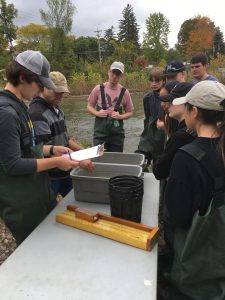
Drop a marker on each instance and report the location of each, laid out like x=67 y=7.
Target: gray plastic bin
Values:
x=93 y=187
x=121 y=158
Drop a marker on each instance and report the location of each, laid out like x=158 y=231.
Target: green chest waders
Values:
x=198 y=269
x=25 y=200
x=108 y=130
x=152 y=139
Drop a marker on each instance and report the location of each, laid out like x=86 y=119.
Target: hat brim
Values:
x=117 y=69
x=179 y=101
x=47 y=82
x=166 y=98
x=61 y=89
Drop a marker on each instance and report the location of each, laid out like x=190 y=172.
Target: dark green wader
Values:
x=198 y=269
x=152 y=140
x=25 y=200
x=108 y=130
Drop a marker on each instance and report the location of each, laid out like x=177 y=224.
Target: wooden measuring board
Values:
x=121 y=230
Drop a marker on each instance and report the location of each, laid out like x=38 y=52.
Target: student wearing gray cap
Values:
x=194 y=199
x=50 y=126
x=110 y=103
x=25 y=197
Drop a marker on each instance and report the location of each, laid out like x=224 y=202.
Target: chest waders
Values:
x=152 y=140
x=198 y=269
x=25 y=200
x=108 y=130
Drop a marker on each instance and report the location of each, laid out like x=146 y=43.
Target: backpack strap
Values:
x=118 y=102
x=212 y=167
x=102 y=89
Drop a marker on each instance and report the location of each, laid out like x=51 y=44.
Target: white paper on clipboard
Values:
x=87 y=153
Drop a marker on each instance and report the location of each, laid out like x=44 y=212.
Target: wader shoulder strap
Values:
x=117 y=106
x=102 y=89
x=212 y=167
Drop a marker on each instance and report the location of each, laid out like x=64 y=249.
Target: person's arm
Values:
x=101 y=113
x=92 y=102
x=117 y=115
x=180 y=191
x=128 y=108
x=62 y=162
x=74 y=145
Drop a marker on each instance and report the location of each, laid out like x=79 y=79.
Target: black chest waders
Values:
x=198 y=270
x=108 y=130
x=25 y=200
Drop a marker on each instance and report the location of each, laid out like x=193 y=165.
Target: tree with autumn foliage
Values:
x=201 y=38
x=32 y=36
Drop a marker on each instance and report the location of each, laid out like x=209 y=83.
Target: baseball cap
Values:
x=117 y=65
x=60 y=82
x=179 y=90
x=37 y=63
x=206 y=94
x=174 y=67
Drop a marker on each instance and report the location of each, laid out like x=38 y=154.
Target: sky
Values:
x=102 y=14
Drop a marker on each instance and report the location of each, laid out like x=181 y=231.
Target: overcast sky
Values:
x=103 y=14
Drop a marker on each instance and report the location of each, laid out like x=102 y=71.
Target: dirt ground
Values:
x=7 y=242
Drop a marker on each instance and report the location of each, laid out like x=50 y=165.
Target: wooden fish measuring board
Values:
x=121 y=230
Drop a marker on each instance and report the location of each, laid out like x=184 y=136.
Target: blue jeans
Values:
x=61 y=186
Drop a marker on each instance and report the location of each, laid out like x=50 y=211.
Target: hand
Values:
x=102 y=113
x=59 y=150
x=160 y=124
x=65 y=163
x=87 y=164
x=116 y=115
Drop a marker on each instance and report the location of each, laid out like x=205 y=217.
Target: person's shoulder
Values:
x=212 y=78
x=148 y=95
x=38 y=106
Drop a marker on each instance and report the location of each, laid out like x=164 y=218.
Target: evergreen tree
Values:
x=218 y=43
x=7 y=28
x=109 y=34
x=128 y=27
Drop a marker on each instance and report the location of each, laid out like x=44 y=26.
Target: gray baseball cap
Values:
x=37 y=63
x=206 y=94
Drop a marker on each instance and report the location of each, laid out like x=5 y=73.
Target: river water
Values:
x=80 y=123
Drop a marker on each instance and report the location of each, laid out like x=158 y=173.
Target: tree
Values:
x=125 y=52
x=128 y=27
x=32 y=36
x=155 y=41
x=110 y=34
x=201 y=38
x=218 y=43
x=59 y=21
x=183 y=34
x=7 y=28
x=60 y=15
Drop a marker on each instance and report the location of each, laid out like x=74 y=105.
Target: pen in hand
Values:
x=69 y=155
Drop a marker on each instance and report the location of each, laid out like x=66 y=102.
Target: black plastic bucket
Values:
x=126 y=194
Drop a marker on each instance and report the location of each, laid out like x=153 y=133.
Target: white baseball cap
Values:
x=206 y=94
x=117 y=65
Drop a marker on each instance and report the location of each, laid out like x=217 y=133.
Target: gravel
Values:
x=7 y=242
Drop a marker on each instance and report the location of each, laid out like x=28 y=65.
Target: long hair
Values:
x=216 y=118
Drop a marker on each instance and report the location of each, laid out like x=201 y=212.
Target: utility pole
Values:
x=99 y=46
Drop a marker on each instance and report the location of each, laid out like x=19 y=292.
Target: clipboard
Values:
x=87 y=153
